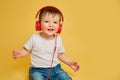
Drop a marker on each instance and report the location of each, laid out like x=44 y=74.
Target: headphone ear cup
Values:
x=59 y=29
x=38 y=26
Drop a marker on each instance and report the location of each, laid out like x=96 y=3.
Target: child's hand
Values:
x=16 y=54
x=75 y=66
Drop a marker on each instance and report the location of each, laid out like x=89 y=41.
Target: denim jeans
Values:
x=56 y=73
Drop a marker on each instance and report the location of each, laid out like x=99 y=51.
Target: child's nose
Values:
x=50 y=25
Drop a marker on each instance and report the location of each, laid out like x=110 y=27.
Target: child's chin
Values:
x=50 y=33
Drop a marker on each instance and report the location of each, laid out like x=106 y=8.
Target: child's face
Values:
x=50 y=23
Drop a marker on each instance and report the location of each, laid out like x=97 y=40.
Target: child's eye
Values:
x=46 y=21
x=55 y=22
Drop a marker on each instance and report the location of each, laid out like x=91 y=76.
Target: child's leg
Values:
x=35 y=74
x=60 y=74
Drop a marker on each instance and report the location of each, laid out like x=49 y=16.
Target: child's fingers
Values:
x=77 y=66
x=15 y=54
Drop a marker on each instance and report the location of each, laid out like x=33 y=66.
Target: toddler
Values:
x=46 y=47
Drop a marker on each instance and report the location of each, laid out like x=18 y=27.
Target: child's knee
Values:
x=63 y=76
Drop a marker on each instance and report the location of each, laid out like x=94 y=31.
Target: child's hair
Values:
x=51 y=10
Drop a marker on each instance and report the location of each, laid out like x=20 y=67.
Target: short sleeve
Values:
x=60 y=44
x=29 y=43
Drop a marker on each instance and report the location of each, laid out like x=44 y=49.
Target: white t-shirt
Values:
x=42 y=50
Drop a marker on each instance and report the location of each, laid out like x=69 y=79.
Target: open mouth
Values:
x=50 y=30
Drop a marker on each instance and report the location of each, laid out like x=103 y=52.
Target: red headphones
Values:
x=38 y=24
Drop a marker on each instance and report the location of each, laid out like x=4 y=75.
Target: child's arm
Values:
x=20 y=53
x=74 y=65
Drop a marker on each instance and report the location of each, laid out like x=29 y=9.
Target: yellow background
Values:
x=91 y=36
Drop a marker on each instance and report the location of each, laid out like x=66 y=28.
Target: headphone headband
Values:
x=62 y=18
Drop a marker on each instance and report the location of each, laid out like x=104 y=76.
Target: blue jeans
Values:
x=56 y=73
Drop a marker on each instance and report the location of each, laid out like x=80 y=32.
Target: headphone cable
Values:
x=52 y=58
